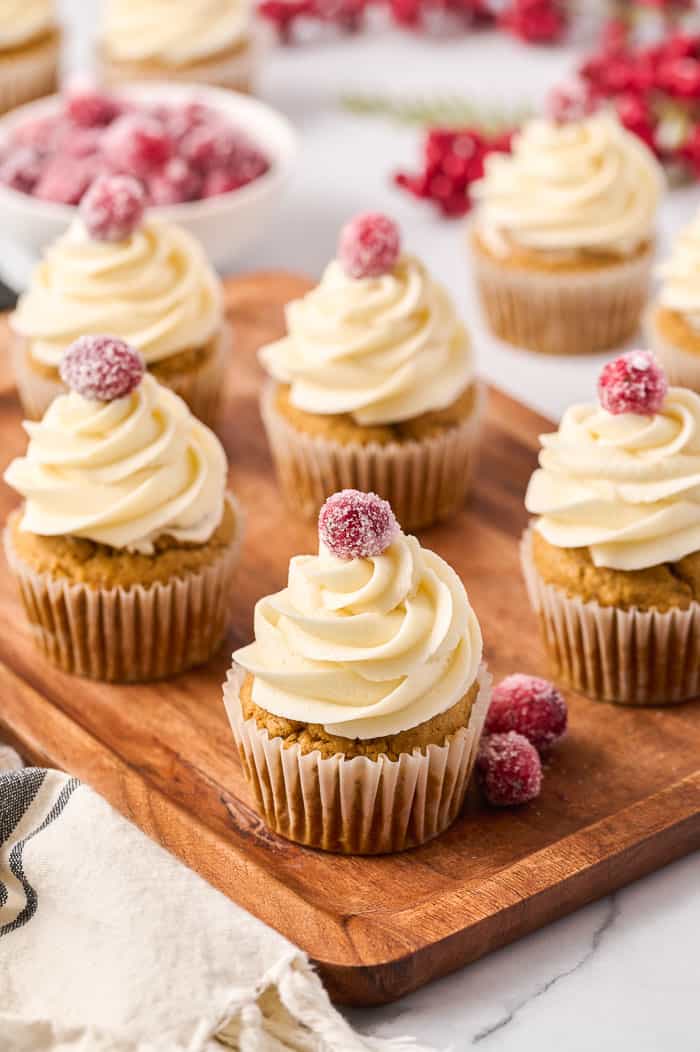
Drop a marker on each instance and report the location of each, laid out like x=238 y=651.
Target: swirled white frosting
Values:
x=383 y=349
x=173 y=33
x=626 y=486
x=366 y=647
x=24 y=20
x=121 y=473
x=156 y=290
x=680 y=275
x=588 y=186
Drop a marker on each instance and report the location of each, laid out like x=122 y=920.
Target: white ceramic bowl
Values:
x=226 y=225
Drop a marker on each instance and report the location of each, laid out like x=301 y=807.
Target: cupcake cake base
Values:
x=29 y=72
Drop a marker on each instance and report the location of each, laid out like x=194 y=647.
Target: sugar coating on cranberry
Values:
x=532 y=706
x=89 y=107
x=369 y=245
x=113 y=207
x=356 y=525
x=137 y=143
x=633 y=383
x=102 y=368
x=509 y=769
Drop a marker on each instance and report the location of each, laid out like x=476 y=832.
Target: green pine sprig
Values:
x=446 y=111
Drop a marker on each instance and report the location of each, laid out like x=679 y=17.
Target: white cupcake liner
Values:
x=424 y=481
x=633 y=657
x=201 y=388
x=356 y=806
x=29 y=74
x=682 y=367
x=563 y=312
x=129 y=635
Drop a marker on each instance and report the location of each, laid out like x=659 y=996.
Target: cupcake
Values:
x=358 y=709
x=373 y=386
x=30 y=44
x=207 y=41
x=672 y=322
x=563 y=235
x=126 y=543
x=612 y=560
x=147 y=282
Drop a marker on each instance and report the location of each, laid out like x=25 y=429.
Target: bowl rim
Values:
x=279 y=139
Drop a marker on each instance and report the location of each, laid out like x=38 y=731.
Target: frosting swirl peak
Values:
x=121 y=473
x=367 y=647
x=383 y=349
x=625 y=486
x=174 y=33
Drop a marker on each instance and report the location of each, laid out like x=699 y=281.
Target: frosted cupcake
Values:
x=672 y=322
x=126 y=543
x=358 y=708
x=147 y=282
x=563 y=235
x=612 y=560
x=373 y=385
x=208 y=41
x=30 y=44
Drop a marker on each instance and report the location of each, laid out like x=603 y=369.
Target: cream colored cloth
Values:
x=109 y=944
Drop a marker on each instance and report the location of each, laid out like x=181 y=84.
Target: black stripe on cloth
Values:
x=17 y=792
x=16 y=855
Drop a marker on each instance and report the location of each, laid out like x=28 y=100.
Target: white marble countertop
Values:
x=622 y=973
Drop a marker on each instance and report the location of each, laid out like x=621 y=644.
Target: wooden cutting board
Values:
x=621 y=795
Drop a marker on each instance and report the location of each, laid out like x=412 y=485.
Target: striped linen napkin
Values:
x=109 y=944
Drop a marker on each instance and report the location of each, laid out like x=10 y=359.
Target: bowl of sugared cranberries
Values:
x=211 y=160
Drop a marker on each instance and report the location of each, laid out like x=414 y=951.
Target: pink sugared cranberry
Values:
x=369 y=245
x=356 y=525
x=633 y=383
x=509 y=769
x=45 y=133
x=82 y=142
x=208 y=145
x=89 y=107
x=137 y=143
x=531 y=706
x=113 y=207
x=22 y=169
x=175 y=183
x=102 y=368
x=65 y=179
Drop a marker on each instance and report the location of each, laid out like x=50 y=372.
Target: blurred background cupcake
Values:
x=563 y=236
x=673 y=320
x=30 y=44
x=612 y=559
x=146 y=281
x=208 y=41
x=373 y=386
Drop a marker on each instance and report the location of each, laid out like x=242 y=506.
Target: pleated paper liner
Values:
x=563 y=313
x=425 y=481
x=201 y=387
x=129 y=635
x=356 y=806
x=29 y=73
x=633 y=657
x=682 y=367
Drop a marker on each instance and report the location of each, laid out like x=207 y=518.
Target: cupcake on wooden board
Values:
x=125 y=546
x=563 y=235
x=373 y=385
x=146 y=281
x=359 y=707
x=30 y=44
x=672 y=322
x=206 y=41
x=612 y=560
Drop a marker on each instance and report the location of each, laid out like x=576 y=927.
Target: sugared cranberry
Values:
x=633 y=383
x=22 y=169
x=102 y=368
x=531 y=706
x=137 y=143
x=509 y=769
x=113 y=207
x=369 y=245
x=82 y=142
x=45 y=133
x=356 y=525
x=89 y=107
x=177 y=182
x=64 y=180
x=208 y=145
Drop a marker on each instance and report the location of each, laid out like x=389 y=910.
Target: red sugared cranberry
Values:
x=509 y=769
x=356 y=525
x=102 y=368
x=64 y=180
x=177 y=182
x=633 y=383
x=369 y=245
x=45 y=133
x=208 y=145
x=137 y=143
x=531 y=706
x=113 y=207
x=82 y=142
x=22 y=169
x=89 y=107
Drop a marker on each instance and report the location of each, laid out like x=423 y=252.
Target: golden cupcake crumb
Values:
x=675 y=329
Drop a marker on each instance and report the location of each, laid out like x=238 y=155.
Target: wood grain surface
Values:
x=621 y=795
